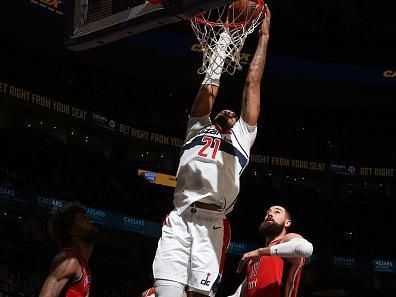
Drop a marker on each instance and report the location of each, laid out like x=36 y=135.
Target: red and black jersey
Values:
x=150 y=292
x=273 y=276
x=80 y=286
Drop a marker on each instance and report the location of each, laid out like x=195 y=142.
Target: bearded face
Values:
x=275 y=222
x=226 y=119
x=270 y=228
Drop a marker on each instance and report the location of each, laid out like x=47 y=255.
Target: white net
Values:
x=236 y=22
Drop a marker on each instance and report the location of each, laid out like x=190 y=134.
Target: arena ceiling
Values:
x=339 y=31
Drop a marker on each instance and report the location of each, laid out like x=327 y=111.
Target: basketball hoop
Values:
x=238 y=19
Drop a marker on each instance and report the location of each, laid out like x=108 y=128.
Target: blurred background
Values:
x=78 y=126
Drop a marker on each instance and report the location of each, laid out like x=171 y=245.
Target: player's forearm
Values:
x=257 y=65
x=251 y=94
x=294 y=248
x=217 y=60
x=207 y=93
x=297 y=247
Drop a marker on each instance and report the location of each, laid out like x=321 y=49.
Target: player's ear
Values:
x=287 y=223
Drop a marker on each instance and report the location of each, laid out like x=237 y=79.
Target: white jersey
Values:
x=211 y=163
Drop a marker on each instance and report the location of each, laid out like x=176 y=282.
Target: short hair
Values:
x=287 y=212
x=61 y=222
x=282 y=203
x=289 y=217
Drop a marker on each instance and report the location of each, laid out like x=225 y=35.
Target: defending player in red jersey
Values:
x=76 y=234
x=275 y=270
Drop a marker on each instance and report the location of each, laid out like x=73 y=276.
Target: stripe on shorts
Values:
x=226 y=242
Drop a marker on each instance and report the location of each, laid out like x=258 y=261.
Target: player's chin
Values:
x=231 y=123
x=228 y=126
x=264 y=226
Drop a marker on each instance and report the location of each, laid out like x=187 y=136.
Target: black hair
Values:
x=61 y=222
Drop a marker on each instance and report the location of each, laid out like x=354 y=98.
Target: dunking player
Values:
x=76 y=234
x=195 y=236
x=274 y=270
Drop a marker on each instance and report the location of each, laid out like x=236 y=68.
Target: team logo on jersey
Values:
x=253 y=275
x=252 y=284
x=254 y=270
x=86 y=281
x=206 y=282
x=209 y=130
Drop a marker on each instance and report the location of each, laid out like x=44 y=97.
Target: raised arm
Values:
x=204 y=100
x=64 y=268
x=208 y=91
x=250 y=109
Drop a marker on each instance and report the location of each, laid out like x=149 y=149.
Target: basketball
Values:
x=245 y=10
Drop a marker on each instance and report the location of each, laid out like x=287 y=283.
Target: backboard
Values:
x=92 y=23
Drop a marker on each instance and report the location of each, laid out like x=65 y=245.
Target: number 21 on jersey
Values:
x=205 y=150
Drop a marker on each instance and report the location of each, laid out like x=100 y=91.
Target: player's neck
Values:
x=221 y=131
x=85 y=249
x=272 y=238
x=218 y=127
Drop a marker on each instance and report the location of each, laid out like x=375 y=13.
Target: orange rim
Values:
x=201 y=20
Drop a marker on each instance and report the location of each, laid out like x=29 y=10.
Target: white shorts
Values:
x=192 y=248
